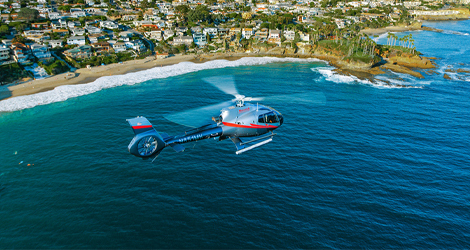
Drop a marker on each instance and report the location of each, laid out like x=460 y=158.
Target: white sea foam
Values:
x=453 y=32
x=332 y=76
x=379 y=82
x=65 y=92
x=376 y=39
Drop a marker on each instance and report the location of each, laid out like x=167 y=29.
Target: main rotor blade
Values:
x=310 y=98
x=199 y=116
x=225 y=83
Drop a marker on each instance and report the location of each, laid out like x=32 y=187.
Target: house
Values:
x=101 y=48
x=61 y=32
x=136 y=45
x=54 y=15
x=83 y=51
x=40 y=51
x=274 y=34
x=95 y=37
x=78 y=40
x=60 y=24
x=93 y=29
x=129 y=17
x=141 y=23
x=21 y=53
x=77 y=14
x=261 y=35
x=289 y=35
x=156 y=35
x=78 y=32
x=167 y=34
x=161 y=55
x=211 y=31
x=234 y=31
x=4 y=54
x=73 y=24
x=305 y=37
x=200 y=39
x=35 y=35
x=187 y=40
x=109 y=25
x=247 y=33
x=39 y=25
x=119 y=47
x=54 y=43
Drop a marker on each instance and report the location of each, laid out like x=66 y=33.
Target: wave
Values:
x=376 y=39
x=381 y=82
x=453 y=32
x=65 y=92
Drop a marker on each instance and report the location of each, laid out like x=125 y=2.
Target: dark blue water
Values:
x=374 y=167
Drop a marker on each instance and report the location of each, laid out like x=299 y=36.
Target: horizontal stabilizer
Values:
x=177 y=147
x=140 y=125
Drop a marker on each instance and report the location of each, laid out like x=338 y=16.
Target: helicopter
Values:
x=248 y=125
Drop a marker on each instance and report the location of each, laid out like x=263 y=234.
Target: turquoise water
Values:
x=376 y=166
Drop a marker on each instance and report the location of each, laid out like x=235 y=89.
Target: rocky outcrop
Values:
x=401 y=69
x=446 y=76
x=412 y=61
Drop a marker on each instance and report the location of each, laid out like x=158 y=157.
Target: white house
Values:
x=211 y=31
x=156 y=34
x=78 y=40
x=54 y=43
x=167 y=34
x=289 y=35
x=78 y=32
x=247 y=33
x=109 y=25
x=4 y=54
x=119 y=47
x=54 y=15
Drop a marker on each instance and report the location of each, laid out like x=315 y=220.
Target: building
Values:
x=4 y=54
x=156 y=35
x=83 y=51
x=211 y=31
x=119 y=47
x=289 y=35
x=78 y=32
x=77 y=40
x=54 y=43
x=109 y=25
x=247 y=33
x=40 y=51
x=187 y=40
x=200 y=39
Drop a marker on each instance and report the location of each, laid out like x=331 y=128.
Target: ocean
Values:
x=374 y=166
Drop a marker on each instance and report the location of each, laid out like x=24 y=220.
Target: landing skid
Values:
x=244 y=146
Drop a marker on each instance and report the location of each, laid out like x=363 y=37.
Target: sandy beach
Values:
x=86 y=75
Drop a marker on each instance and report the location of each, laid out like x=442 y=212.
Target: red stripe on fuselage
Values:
x=140 y=127
x=246 y=126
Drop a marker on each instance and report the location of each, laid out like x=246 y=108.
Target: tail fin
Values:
x=147 y=141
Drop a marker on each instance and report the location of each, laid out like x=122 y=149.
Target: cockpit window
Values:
x=270 y=117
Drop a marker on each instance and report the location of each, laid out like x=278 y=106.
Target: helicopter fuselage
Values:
x=248 y=120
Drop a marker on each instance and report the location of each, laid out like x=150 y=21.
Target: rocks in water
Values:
x=446 y=76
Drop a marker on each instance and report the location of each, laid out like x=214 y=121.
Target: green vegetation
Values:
x=55 y=67
x=28 y=14
x=12 y=72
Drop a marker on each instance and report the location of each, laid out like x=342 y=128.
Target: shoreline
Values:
x=85 y=75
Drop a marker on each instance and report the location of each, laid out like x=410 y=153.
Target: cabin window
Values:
x=270 y=117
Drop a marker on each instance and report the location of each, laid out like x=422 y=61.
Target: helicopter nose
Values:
x=281 y=120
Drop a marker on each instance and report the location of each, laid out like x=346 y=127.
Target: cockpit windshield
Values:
x=270 y=117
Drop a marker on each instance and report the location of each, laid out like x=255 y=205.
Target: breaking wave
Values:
x=65 y=92
x=379 y=82
x=453 y=32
